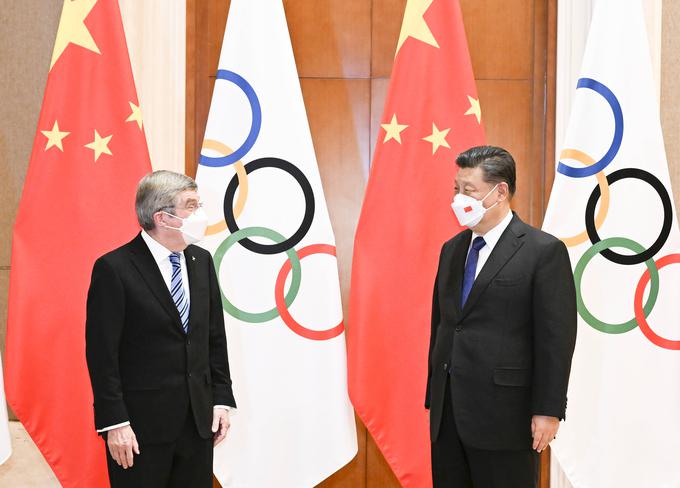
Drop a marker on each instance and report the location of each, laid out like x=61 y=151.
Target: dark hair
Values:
x=497 y=164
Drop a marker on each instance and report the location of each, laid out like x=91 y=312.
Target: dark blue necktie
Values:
x=471 y=268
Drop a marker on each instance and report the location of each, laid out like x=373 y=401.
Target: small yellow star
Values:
x=437 y=138
x=54 y=137
x=474 y=109
x=414 y=24
x=136 y=115
x=100 y=145
x=393 y=130
x=72 y=29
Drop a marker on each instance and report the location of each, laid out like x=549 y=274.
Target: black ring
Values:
x=302 y=180
x=667 y=216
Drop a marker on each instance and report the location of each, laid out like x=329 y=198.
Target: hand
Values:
x=122 y=443
x=543 y=430
x=220 y=425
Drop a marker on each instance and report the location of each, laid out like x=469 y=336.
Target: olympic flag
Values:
x=274 y=251
x=612 y=205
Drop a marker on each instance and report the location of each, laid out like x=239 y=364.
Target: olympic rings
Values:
x=315 y=335
x=225 y=150
x=293 y=259
x=307 y=219
x=582 y=157
x=609 y=156
x=642 y=317
x=232 y=211
x=655 y=183
x=594 y=322
x=256 y=123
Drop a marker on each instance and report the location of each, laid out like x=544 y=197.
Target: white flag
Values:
x=612 y=204
x=274 y=251
x=5 y=442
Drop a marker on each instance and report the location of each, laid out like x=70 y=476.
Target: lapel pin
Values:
x=193 y=258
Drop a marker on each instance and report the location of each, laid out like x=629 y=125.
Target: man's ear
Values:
x=503 y=191
x=159 y=219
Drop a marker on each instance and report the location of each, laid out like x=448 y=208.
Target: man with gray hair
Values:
x=156 y=345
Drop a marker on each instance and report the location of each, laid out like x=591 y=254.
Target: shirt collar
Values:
x=492 y=237
x=159 y=252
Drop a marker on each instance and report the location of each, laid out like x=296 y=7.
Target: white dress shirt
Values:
x=161 y=255
x=491 y=238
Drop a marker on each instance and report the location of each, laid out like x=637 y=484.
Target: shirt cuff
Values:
x=106 y=429
x=224 y=407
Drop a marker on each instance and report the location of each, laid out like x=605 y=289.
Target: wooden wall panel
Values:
x=344 y=51
x=386 y=24
x=338 y=117
x=506 y=108
x=500 y=37
x=331 y=38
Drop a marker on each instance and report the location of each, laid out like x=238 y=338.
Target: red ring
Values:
x=315 y=335
x=640 y=314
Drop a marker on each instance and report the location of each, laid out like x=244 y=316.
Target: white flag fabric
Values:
x=274 y=251
x=5 y=439
x=612 y=204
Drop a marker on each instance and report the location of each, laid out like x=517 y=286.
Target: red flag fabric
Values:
x=431 y=114
x=77 y=203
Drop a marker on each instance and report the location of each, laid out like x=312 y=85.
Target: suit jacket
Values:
x=142 y=365
x=509 y=348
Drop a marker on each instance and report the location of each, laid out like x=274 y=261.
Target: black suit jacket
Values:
x=509 y=349
x=143 y=368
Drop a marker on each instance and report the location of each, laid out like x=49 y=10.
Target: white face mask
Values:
x=193 y=227
x=470 y=211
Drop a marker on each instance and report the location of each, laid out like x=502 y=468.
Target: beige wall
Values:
x=670 y=90
x=27 y=31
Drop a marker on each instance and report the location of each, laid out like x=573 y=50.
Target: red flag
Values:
x=431 y=114
x=78 y=202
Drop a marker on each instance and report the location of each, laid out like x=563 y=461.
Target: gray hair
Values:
x=158 y=191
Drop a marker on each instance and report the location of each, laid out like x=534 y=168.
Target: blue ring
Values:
x=608 y=95
x=256 y=110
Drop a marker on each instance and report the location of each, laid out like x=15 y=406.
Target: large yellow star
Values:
x=414 y=24
x=72 y=29
x=474 y=109
x=393 y=130
x=100 y=145
x=437 y=138
x=54 y=137
x=136 y=115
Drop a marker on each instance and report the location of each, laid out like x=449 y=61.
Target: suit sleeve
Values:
x=219 y=361
x=555 y=321
x=434 y=323
x=103 y=330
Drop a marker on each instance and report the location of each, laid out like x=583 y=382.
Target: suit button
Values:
x=189 y=375
x=188 y=342
x=459 y=329
x=446 y=366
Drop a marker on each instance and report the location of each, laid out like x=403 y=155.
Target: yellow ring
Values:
x=582 y=157
x=225 y=150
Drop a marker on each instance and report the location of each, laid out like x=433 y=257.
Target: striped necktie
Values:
x=177 y=291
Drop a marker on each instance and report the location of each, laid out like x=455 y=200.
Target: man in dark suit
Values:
x=156 y=344
x=502 y=338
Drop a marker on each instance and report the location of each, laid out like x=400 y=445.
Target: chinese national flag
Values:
x=431 y=114
x=78 y=203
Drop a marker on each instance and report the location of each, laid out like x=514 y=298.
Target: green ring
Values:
x=578 y=274
x=230 y=308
